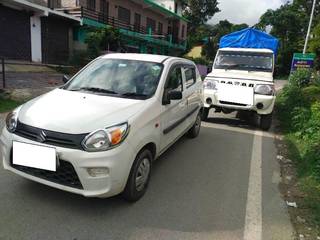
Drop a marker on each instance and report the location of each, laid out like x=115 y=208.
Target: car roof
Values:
x=142 y=57
x=263 y=50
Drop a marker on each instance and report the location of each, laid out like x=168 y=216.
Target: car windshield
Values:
x=119 y=78
x=248 y=61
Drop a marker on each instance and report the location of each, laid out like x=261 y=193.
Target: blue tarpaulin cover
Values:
x=250 y=38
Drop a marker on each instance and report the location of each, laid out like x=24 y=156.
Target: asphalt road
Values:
x=222 y=185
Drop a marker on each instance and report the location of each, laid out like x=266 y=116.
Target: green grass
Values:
x=7 y=105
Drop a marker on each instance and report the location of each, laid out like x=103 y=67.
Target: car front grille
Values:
x=50 y=137
x=64 y=175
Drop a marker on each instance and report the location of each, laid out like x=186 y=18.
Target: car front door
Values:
x=173 y=122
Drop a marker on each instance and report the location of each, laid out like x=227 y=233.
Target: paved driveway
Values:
x=222 y=185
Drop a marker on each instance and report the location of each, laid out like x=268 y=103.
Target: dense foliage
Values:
x=298 y=108
x=289 y=24
x=198 y=12
x=103 y=39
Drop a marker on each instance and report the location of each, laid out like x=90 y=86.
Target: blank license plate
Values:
x=30 y=155
x=235 y=94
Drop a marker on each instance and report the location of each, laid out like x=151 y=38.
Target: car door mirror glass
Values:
x=174 y=95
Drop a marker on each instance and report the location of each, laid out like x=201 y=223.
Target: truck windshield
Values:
x=118 y=78
x=248 y=61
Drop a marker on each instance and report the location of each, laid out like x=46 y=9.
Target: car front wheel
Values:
x=139 y=177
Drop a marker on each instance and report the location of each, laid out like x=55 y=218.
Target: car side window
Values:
x=191 y=77
x=175 y=79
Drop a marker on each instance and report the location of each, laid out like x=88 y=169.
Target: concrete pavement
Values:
x=222 y=185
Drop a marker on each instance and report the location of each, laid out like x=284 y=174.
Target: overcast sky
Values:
x=244 y=11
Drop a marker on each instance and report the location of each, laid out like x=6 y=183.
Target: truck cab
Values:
x=242 y=80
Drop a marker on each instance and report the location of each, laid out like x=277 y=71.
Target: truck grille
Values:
x=65 y=174
x=50 y=137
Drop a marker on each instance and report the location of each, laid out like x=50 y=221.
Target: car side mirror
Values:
x=174 y=95
x=65 y=78
x=171 y=95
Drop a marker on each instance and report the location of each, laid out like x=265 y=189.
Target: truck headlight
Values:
x=12 y=120
x=210 y=84
x=105 y=139
x=264 y=89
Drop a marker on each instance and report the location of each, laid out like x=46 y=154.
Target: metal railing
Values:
x=117 y=23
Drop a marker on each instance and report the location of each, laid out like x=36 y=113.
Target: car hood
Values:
x=242 y=75
x=77 y=112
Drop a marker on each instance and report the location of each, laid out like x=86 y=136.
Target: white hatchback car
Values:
x=98 y=134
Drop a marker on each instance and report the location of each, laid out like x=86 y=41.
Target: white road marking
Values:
x=253 y=220
x=238 y=129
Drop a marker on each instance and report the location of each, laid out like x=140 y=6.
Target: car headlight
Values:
x=12 y=120
x=105 y=139
x=264 y=89
x=210 y=84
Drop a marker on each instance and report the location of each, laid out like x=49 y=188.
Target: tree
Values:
x=198 y=12
x=217 y=31
x=289 y=24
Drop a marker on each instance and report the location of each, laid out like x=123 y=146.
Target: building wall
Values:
x=15 y=41
x=136 y=8
x=39 y=2
x=69 y=3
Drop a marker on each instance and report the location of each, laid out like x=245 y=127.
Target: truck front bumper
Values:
x=262 y=104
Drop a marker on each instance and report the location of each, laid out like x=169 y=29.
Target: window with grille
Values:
x=54 y=3
x=91 y=4
x=160 y=28
x=104 y=7
x=124 y=14
x=137 y=21
x=151 y=24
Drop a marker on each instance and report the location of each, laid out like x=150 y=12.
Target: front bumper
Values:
x=116 y=163
x=267 y=102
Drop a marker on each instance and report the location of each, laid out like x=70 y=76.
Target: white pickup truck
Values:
x=242 y=80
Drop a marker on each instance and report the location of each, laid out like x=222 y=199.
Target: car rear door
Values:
x=192 y=92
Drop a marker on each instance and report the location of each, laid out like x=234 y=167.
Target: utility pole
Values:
x=309 y=28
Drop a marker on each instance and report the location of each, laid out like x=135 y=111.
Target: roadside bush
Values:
x=103 y=39
x=298 y=108
x=300 y=78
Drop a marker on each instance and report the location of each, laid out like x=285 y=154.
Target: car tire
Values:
x=195 y=130
x=205 y=114
x=265 y=122
x=141 y=169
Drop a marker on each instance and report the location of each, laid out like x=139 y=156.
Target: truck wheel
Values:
x=139 y=177
x=265 y=122
x=194 y=131
x=205 y=113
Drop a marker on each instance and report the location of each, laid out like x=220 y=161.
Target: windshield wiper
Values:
x=133 y=94
x=93 y=89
